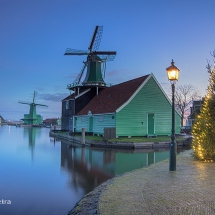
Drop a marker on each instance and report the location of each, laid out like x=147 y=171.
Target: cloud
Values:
x=58 y=88
x=56 y=97
x=122 y=75
x=73 y=76
x=113 y=73
x=40 y=88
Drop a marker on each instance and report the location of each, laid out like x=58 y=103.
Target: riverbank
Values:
x=155 y=190
x=122 y=145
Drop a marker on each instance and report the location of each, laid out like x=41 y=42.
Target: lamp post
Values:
x=173 y=73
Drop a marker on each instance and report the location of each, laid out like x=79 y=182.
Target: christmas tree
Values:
x=203 y=130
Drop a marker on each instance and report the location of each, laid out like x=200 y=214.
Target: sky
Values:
x=147 y=35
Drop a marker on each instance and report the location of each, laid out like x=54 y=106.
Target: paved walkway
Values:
x=156 y=190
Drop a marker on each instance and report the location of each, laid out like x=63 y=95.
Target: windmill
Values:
x=95 y=59
x=32 y=117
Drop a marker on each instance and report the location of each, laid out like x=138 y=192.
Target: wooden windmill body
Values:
x=32 y=118
x=95 y=63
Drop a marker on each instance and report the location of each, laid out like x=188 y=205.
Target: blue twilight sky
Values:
x=147 y=35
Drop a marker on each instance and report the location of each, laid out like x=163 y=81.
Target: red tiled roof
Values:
x=111 y=98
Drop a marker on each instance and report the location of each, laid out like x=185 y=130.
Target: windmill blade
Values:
x=81 y=73
x=75 y=52
x=41 y=105
x=96 y=39
x=78 y=78
x=34 y=97
x=26 y=103
x=105 y=55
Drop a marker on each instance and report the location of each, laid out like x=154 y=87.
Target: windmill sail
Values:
x=94 y=74
x=32 y=118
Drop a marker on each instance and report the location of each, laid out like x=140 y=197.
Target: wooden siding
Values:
x=100 y=122
x=81 y=122
x=71 y=106
x=132 y=119
x=68 y=111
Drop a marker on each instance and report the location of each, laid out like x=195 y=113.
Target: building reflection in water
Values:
x=89 y=167
x=78 y=162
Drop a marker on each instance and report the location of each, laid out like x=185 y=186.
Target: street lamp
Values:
x=173 y=73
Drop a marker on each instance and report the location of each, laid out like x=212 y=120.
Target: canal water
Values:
x=39 y=175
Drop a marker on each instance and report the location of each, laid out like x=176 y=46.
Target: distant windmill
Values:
x=32 y=117
x=94 y=76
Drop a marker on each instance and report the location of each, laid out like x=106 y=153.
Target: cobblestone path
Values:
x=156 y=190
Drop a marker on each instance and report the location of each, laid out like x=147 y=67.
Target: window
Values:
x=67 y=105
x=101 y=118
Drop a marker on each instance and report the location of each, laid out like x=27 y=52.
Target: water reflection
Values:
x=31 y=133
x=41 y=175
x=89 y=167
x=78 y=162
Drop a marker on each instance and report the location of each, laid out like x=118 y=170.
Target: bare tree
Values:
x=184 y=95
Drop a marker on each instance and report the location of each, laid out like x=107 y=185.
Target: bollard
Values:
x=83 y=136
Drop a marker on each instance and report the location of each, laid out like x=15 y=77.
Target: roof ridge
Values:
x=144 y=76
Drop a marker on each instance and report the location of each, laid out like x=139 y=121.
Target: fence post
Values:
x=83 y=135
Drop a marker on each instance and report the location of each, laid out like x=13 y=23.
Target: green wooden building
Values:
x=137 y=107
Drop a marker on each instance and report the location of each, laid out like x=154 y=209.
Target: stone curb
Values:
x=127 y=145
x=88 y=205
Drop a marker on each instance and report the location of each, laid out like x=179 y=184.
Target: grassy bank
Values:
x=133 y=139
x=144 y=139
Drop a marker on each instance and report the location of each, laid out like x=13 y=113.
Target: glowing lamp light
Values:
x=172 y=72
